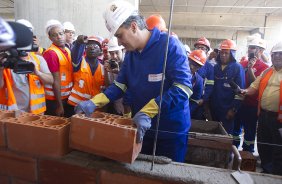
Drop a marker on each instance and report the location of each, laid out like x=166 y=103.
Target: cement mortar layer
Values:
x=171 y=172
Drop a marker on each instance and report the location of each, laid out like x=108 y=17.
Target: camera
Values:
x=113 y=64
x=22 y=39
x=14 y=62
x=251 y=56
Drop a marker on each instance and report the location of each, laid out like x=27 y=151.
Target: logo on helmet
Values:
x=113 y=8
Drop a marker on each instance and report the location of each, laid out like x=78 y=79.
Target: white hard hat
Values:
x=52 y=23
x=116 y=13
x=258 y=42
x=113 y=45
x=68 y=26
x=7 y=36
x=277 y=47
x=26 y=23
x=187 y=48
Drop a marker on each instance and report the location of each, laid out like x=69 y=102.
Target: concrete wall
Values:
x=86 y=15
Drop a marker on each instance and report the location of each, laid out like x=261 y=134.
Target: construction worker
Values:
x=197 y=59
x=247 y=114
x=141 y=73
x=88 y=72
x=157 y=21
x=58 y=58
x=227 y=71
x=69 y=32
x=26 y=91
x=207 y=73
x=112 y=67
x=269 y=133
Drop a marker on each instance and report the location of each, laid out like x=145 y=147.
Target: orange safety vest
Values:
x=66 y=74
x=37 y=94
x=262 y=86
x=7 y=99
x=86 y=85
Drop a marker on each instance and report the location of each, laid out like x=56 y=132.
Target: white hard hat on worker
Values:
x=257 y=42
x=116 y=13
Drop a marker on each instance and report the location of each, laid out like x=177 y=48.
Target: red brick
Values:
x=106 y=135
x=19 y=181
x=107 y=177
x=4 y=115
x=18 y=166
x=56 y=172
x=4 y=179
x=46 y=136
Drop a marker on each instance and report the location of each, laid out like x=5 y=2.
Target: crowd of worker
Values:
x=123 y=75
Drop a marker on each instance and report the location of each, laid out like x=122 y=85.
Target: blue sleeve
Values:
x=197 y=93
x=207 y=72
x=177 y=71
x=76 y=55
x=240 y=81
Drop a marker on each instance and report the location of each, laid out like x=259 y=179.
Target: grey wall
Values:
x=86 y=15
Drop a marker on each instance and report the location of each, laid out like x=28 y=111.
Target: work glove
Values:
x=86 y=107
x=143 y=123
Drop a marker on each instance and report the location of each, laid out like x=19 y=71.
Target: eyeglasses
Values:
x=93 y=45
x=203 y=48
x=69 y=31
x=57 y=34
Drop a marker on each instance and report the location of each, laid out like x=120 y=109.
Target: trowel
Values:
x=239 y=176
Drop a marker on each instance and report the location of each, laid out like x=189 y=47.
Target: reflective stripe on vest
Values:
x=37 y=94
x=86 y=85
x=66 y=74
x=262 y=85
x=7 y=97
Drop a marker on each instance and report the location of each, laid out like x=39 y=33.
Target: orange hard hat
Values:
x=199 y=56
x=203 y=41
x=228 y=44
x=156 y=21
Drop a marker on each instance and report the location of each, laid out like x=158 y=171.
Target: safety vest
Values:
x=86 y=85
x=7 y=99
x=262 y=86
x=37 y=94
x=66 y=74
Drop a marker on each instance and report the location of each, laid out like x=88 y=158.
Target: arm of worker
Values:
x=250 y=71
x=1 y=77
x=198 y=88
x=207 y=73
x=43 y=73
x=77 y=52
x=236 y=103
x=57 y=92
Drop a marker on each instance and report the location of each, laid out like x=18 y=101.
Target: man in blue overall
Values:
x=141 y=74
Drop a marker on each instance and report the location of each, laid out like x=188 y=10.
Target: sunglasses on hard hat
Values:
x=92 y=45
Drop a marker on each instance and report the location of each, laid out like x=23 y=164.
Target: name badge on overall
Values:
x=155 y=77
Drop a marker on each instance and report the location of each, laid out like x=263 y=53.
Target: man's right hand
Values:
x=82 y=39
x=86 y=107
x=60 y=111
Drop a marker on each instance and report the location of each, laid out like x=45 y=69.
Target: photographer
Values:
x=25 y=90
x=88 y=72
x=247 y=114
x=112 y=67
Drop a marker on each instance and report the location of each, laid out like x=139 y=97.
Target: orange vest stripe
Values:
x=263 y=83
x=66 y=74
